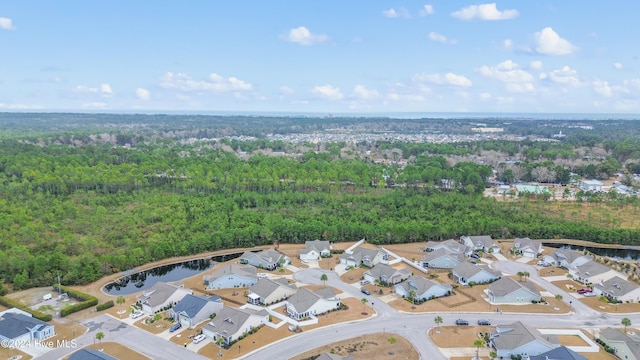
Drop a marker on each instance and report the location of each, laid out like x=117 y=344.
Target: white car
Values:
x=199 y=338
x=263 y=275
x=136 y=314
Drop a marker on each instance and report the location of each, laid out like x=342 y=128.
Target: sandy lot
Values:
x=374 y=346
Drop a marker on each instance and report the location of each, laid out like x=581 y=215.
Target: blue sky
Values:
x=325 y=56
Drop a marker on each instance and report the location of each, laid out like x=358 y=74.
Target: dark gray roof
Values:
x=13 y=325
x=559 y=353
x=330 y=356
x=265 y=287
x=440 y=253
x=158 y=294
x=467 y=270
x=591 y=268
x=420 y=284
x=192 y=304
x=387 y=271
x=517 y=334
x=247 y=271
x=90 y=354
x=450 y=245
x=506 y=286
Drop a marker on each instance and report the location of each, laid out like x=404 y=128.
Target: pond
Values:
x=144 y=280
x=620 y=254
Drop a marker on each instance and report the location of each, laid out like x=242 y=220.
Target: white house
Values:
x=424 y=289
x=591 y=185
x=566 y=258
x=231 y=323
x=441 y=259
x=192 y=309
x=313 y=250
x=160 y=296
x=306 y=303
x=519 y=339
x=625 y=347
x=617 y=288
x=508 y=291
x=527 y=247
x=267 y=291
x=231 y=276
x=484 y=243
x=466 y=273
x=451 y=246
x=20 y=327
x=592 y=272
x=386 y=274
x=363 y=256
x=268 y=259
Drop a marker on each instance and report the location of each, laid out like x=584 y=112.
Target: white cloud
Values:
x=508 y=72
x=95 y=105
x=285 y=90
x=393 y=13
x=434 y=36
x=565 y=76
x=104 y=90
x=361 y=92
x=485 y=12
x=446 y=79
x=485 y=96
x=602 y=88
x=536 y=65
x=215 y=83
x=6 y=24
x=143 y=94
x=508 y=44
x=426 y=10
x=301 y=35
x=548 y=42
x=328 y=92
x=617 y=65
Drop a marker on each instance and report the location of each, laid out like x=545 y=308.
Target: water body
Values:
x=620 y=254
x=144 y=280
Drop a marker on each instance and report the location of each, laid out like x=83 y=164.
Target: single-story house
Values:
x=519 y=339
x=231 y=276
x=559 y=353
x=441 y=259
x=466 y=273
x=592 y=272
x=624 y=346
x=527 y=247
x=591 y=185
x=423 y=288
x=451 y=246
x=160 y=296
x=483 y=242
x=306 y=303
x=566 y=258
x=619 y=289
x=363 y=256
x=386 y=274
x=268 y=259
x=90 y=354
x=192 y=309
x=267 y=291
x=330 y=356
x=313 y=250
x=19 y=326
x=231 y=323
x=508 y=291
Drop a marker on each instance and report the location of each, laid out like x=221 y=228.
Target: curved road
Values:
x=414 y=327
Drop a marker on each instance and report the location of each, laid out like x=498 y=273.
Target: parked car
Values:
x=589 y=294
x=136 y=314
x=543 y=263
x=366 y=292
x=199 y=338
x=175 y=327
x=473 y=262
x=364 y=282
x=483 y=322
x=263 y=275
x=462 y=322
x=584 y=291
x=475 y=256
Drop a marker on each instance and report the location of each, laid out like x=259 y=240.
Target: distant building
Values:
x=591 y=185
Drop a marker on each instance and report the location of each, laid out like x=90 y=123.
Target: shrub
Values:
x=86 y=300
x=36 y=314
x=105 y=306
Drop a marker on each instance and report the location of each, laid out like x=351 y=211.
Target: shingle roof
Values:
x=506 y=286
x=616 y=286
x=13 y=325
x=305 y=298
x=229 y=320
x=90 y=354
x=468 y=270
x=591 y=268
x=192 y=304
x=158 y=294
x=517 y=334
x=617 y=335
x=329 y=356
x=317 y=245
x=451 y=245
x=247 y=271
x=420 y=284
x=526 y=243
x=265 y=287
x=387 y=271
x=440 y=253
x=559 y=353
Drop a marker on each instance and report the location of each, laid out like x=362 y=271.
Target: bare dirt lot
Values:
x=375 y=346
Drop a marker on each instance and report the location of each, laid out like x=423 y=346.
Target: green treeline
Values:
x=83 y=212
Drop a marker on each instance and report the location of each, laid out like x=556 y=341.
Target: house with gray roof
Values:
x=451 y=246
x=386 y=274
x=363 y=256
x=424 y=288
x=160 y=296
x=231 y=276
x=313 y=250
x=441 y=259
x=592 y=272
x=618 y=289
x=330 y=356
x=559 y=353
x=519 y=339
x=591 y=185
x=566 y=258
x=527 y=247
x=508 y=291
x=268 y=259
x=90 y=354
x=483 y=242
x=466 y=273
x=624 y=345
x=306 y=303
x=231 y=323
x=267 y=291
x=192 y=309
x=17 y=327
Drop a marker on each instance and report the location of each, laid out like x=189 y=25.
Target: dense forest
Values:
x=86 y=195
